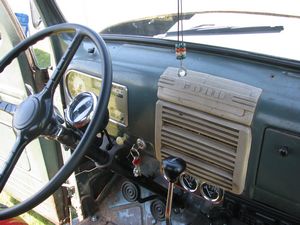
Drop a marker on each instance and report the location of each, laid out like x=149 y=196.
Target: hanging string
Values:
x=181 y=19
x=178 y=19
x=180 y=46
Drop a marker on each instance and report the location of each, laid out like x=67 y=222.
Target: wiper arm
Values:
x=228 y=30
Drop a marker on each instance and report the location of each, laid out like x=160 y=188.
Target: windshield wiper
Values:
x=228 y=30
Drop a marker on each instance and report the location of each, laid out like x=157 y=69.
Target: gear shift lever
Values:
x=172 y=168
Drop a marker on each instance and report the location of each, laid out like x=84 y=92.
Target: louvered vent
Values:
x=216 y=150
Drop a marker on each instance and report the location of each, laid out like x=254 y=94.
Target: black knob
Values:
x=283 y=151
x=172 y=168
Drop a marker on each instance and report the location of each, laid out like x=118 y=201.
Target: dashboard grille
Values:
x=208 y=144
x=215 y=149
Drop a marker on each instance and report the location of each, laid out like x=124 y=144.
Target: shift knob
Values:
x=172 y=168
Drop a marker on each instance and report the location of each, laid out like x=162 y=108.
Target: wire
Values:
x=87 y=171
x=90 y=170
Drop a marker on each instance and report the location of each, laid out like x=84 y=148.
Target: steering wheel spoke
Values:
x=12 y=160
x=7 y=107
x=64 y=62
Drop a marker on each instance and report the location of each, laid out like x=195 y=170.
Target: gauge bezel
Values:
x=214 y=200
x=184 y=185
x=85 y=120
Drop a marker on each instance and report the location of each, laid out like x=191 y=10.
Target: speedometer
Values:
x=81 y=109
x=78 y=82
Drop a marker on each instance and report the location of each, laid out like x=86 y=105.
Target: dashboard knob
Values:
x=121 y=140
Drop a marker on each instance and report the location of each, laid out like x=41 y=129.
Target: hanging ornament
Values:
x=180 y=46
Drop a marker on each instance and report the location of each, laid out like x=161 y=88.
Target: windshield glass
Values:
x=267 y=27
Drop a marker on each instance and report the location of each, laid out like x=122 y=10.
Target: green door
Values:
x=32 y=170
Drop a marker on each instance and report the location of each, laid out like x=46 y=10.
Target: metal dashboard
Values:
x=137 y=67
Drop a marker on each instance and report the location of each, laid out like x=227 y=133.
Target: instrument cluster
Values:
x=78 y=82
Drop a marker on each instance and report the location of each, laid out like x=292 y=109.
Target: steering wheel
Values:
x=35 y=115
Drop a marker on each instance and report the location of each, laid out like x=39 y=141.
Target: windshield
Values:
x=266 y=27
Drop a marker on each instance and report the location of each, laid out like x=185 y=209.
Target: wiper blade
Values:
x=228 y=30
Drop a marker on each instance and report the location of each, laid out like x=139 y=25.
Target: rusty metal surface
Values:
x=114 y=209
x=97 y=220
x=119 y=211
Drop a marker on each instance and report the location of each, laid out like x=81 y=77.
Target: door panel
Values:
x=32 y=171
x=7 y=140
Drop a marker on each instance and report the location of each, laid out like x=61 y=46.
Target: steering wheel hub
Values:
x=27 y=113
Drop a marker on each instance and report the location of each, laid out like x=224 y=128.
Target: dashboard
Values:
x=232 y=118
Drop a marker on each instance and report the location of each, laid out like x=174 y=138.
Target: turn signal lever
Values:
x=172 y=168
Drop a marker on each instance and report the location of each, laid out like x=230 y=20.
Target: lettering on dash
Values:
x=204 y=90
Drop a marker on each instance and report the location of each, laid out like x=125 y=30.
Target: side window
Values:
x=30 y=22
x=0 y=39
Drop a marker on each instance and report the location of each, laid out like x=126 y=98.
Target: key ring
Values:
x=134 y=152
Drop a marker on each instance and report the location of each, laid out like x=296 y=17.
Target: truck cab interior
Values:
x=182 y=118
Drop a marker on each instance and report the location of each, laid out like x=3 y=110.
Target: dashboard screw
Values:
x=283 y=151
x=94 y=218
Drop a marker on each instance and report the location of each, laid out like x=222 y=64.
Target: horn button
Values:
x=27 y=114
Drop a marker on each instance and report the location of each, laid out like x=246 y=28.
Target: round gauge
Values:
x=211 y=192
x=188 y=182
x=81 y=109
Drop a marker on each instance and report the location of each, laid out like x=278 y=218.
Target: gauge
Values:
x=211 y=192
x=81 y=109
x=75 y=83
x=188 y=182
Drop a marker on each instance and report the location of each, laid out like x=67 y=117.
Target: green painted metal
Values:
x=278 y=167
